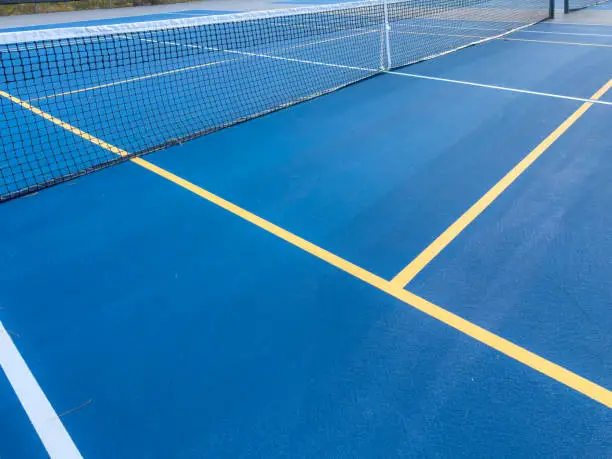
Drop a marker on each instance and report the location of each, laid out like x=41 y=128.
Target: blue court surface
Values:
x=416 y=265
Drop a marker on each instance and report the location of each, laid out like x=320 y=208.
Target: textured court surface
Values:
x=236 y=295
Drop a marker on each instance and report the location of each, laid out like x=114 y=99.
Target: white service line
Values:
x=499 y=88
x=48 y=425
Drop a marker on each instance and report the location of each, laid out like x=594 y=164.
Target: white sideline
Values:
x=48 y=425
x=499 y=88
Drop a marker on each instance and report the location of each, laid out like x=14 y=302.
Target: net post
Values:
x=566 y=6
x=387 y=29
x=551 y=8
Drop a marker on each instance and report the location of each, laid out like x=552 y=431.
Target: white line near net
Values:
x=46 y=422
x=499 y=88
x=347 y=67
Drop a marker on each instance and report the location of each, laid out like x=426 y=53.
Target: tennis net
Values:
x=78 y=99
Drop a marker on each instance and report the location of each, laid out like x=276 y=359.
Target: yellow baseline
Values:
x=444 y=239
x=538 y=363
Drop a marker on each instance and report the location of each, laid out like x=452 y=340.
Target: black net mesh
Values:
x=75 y=100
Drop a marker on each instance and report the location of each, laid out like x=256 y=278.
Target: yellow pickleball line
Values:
x=444 y=239
x=540 y=364
x=64 y=125
x=492 y=340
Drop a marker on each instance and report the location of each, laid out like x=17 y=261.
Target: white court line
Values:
x=499 y=88
x=43 y=417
